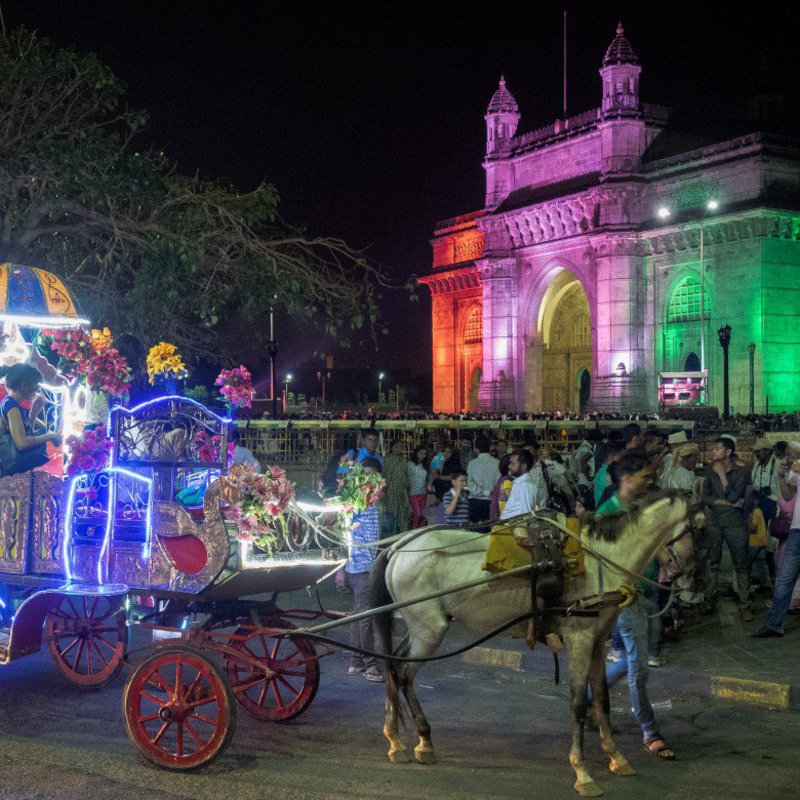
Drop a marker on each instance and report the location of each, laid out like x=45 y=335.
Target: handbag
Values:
x=780 y=526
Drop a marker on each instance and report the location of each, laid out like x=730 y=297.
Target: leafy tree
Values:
x=146 y=249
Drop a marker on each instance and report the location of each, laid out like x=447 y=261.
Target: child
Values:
x=365 y=529
x=455 y=500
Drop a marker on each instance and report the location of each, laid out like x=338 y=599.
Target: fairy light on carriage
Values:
x=74 y=551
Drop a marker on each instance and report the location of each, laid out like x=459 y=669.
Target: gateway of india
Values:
x=611 y=250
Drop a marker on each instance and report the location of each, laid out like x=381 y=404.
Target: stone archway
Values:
x=566 y=343
x=584 y=389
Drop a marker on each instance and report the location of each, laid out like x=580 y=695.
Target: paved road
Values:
x=499 y=734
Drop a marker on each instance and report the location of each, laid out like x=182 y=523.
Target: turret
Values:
x=502 y=118
x=620 y=73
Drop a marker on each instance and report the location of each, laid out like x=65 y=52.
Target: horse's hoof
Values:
x=425 y=755
x=399 y=756
x=621 y=768
x=588 y=789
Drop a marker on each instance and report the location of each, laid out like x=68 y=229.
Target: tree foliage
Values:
x=146 y=249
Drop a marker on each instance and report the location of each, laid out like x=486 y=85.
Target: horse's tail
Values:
x=383 y=625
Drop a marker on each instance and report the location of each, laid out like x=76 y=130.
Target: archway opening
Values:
x=566 y=341
x=474 y=384
x=584 y=389
x=692 y=363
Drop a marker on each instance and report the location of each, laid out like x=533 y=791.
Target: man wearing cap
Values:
x=725 y=496
x=789 y=570
x=674 y=440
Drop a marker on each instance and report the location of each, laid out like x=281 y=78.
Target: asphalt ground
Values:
x=499 y=733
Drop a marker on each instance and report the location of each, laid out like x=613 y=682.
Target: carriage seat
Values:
x=185 y=552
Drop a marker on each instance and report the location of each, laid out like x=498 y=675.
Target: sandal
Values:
x=657 y=746
x=356 y=670
x=373 y=674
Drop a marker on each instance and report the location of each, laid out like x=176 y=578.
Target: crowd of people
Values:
x=749 y=509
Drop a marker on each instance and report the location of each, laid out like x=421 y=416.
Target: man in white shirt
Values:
x=483 y=473
x=528 y=491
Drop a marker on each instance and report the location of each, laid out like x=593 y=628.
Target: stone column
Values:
x=500 y=281
x=620 y=383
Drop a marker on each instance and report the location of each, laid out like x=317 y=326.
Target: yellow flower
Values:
x=164 y=360
x=101 y=339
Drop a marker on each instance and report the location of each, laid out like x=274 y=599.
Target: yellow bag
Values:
x=758 y=529
x=503 y=552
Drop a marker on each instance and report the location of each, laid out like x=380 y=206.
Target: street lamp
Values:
x=381 y=376
x=272 y=349
x=286 y=383
x=724 y=334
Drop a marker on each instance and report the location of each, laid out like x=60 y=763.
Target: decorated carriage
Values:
x=83 y=559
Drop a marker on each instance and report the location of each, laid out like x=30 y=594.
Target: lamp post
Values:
x=724 y=334
x=286 y=383
x=272 y=349
x=381 y=376
x=752 y=348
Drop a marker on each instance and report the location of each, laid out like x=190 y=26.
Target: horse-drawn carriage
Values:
x=75 y=554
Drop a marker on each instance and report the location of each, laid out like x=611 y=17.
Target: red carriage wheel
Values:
x=87 y=637
x=286 y=682
x=179 y=709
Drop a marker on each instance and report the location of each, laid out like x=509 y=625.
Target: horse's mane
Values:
x=609 y=527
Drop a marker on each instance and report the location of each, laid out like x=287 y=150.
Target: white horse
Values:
x=424 y=562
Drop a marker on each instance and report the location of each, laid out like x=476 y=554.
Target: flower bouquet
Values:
x=236 y=387
x=358 y=490
x=165 y=365
x=74 y=349
x=88 y=452
x=261 y=508
x=206 y=446
x=107 y=371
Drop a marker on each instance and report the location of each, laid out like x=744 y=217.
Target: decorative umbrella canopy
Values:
x=35 y=297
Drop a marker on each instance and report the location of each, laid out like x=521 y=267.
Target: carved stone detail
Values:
x=15 y=505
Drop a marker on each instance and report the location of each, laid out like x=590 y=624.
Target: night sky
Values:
x=369 y=116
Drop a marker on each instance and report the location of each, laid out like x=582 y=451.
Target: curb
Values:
x=742 y=691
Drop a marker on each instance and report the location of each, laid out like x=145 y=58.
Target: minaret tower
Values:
x=620 y=73
x=502 y=118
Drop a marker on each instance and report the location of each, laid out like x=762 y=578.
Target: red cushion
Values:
x=197 y=513
x=187 y=553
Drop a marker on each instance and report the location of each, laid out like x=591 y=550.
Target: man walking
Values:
x=483 y=473
x=725 y=495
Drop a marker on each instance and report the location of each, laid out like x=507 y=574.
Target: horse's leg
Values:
x=580 y=662
x=601 y=706
x=391 y=728
x=422 y=648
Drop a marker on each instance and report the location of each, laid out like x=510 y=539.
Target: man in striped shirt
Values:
x=455 y=502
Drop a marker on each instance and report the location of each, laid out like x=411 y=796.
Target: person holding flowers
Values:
x=360 y=491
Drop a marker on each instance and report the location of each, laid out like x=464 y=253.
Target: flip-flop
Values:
x=658 y=747
x=373 y=674
x=356 y=670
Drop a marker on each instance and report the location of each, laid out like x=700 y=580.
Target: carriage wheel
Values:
x=179 y=709
x=287 y=681
x=87 y=637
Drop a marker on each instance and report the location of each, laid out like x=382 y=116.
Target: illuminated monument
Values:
x=581 y=280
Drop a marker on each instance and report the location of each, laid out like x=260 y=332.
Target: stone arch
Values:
x=471 y=347
x=560 y=340
x=681 y=323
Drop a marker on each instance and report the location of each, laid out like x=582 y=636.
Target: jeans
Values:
x=361 y=630
x=738 y=541
x=650 y=607
x=633 y=627
x=785 y=581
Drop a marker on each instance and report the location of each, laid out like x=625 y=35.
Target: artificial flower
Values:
x=236 y=386
x=164 y=362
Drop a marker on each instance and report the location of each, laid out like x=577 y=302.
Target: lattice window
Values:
x=684 y=305
x=473 y=330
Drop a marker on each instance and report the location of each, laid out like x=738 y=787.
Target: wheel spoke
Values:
x=75 y=612
x=78 y=657
x=202 y=701
x=148 y=718
x=203 y=718
x=192 y=686
x=69 y=647
x=273 y=656
x=88 y=657
x=161 y=731
x=160 y=683
x=102 y=639
x=152 y=698
x=180 y=739
x=263 y=696
x=278 y=699
x=289 y=686
x=86 y=614
x=93 y=609
x=93 y=643
x=246 y=686
x=178 y=676
x=197 y=740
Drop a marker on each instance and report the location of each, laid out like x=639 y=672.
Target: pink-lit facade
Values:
x=567 y=290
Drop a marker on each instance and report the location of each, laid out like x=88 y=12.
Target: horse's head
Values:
x=649 y=528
